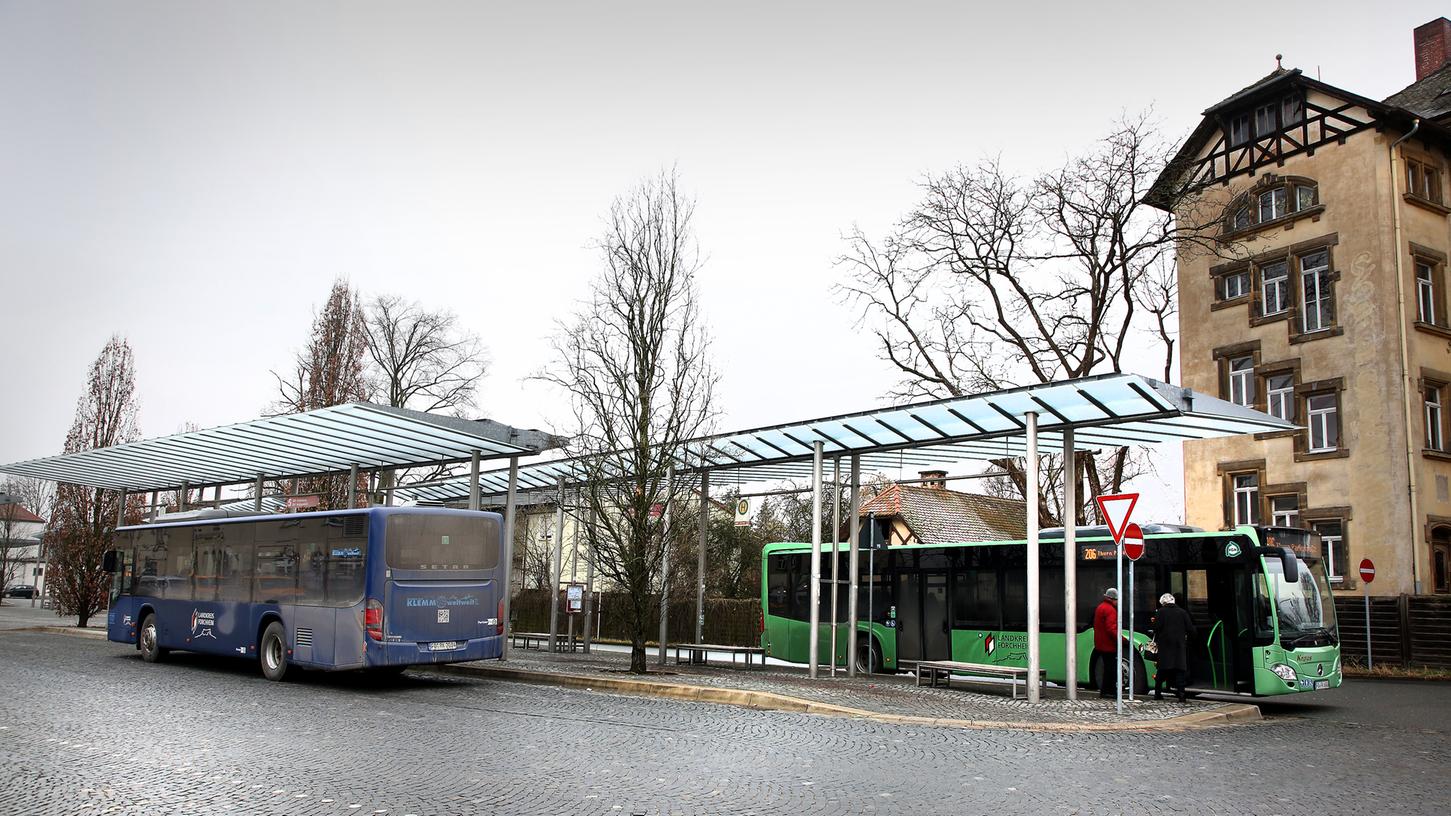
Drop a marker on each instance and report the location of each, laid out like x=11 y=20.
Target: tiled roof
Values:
x=15 y=512
x=939 y=516
x=1251 y=88
x=1429 y=97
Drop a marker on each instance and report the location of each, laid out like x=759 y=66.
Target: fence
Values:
x=1405 y=630
x=728 y=621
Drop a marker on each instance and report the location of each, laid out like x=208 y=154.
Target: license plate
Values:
x=1322 y=684
x=442 y=645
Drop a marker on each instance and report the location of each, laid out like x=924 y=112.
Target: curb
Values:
x=94 y=634
x=1228 y=714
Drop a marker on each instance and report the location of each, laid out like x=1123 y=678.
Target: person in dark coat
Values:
x=1172 y=629
x=1105 y=642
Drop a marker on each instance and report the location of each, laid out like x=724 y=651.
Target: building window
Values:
x=1425 y=293
x=1234 y=285
x=1274 y=288
x=1285 y=511
x=1333 y=552
x=1239 y=130
x=1246 y=498
x=1280 y=394
x=1323 y=416
x=1242 y=381
x=1265 y=120
x=1423 y=180
x=1273 y=204
x=1275 y=198
x=1435 y=417
x=1317 y=310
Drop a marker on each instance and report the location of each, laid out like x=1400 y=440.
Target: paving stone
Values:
x=87 y=728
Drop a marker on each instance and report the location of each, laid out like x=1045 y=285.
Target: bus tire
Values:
x=272 y=653
x=146 y=640
x=868 y=656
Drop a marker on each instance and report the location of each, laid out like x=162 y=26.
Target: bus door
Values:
x=1219 y=654
x=923 y=630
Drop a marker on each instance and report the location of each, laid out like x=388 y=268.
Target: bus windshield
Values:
x=441 y=542
x=1304 y=609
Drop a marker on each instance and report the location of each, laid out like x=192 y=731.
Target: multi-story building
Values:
x=1320 y=297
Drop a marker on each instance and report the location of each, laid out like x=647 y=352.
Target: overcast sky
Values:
x=194 y=176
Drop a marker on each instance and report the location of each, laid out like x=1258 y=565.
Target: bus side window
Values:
x=150 y=563
x=975 y=600
x=176 y=582
x=345 y=574
x=208 y=543
x=312 y=563
x=236 y=563
x=778 y=586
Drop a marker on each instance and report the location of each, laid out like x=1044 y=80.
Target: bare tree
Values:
x=329 y=371
x=15 y=541
x=81 y=523
x=634 y=363
x=420 y=359
x=994 y=281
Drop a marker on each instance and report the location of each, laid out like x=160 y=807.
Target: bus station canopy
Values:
x=1106 y=411
x=312 y=443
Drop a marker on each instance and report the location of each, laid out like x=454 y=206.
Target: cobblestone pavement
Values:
x=86 y=727
x=884 y=694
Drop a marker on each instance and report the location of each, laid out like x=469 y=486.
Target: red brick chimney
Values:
x=1433 y=47
x=934 y=478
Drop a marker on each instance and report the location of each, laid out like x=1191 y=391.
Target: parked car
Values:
x=20 y=591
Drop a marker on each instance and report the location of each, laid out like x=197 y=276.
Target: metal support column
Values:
x=589 y=580
x=121 y=510
x=573 y=574
x=557 y=573
x=854 y=568
x=181 y=502
x=814 y=635
x=256 y=494
x=507 y=584
x=353 y=486
x=1031 y=491
x=1070 y=562
x=474 y=480
x=156 y=510
x=835 y=551
x=665 y=532
x=700 y=559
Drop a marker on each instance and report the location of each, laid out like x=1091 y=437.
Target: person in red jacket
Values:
x=1105 y=642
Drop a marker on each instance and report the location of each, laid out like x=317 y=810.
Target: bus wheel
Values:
x=1141 y=680
x=868 y=659
x=274 y=652
x=146 y=641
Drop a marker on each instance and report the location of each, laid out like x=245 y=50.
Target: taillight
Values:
x=499 y=627
x=373 y=619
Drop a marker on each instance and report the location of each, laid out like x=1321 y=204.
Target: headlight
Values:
x=1284 y=672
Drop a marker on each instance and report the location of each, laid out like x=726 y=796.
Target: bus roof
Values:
x=1094 y=533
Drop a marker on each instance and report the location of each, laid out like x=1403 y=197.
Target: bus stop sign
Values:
x=1133 y=542
x=1367 y=570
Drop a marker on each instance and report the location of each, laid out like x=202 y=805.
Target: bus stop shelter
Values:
x=1068 y=417
x=342 y=440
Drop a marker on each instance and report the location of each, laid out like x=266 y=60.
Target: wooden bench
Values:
x=945 y=668
x=540 y=640
x=700 y=652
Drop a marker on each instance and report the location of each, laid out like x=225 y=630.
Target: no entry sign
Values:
x=1133 y=541
x=1367 y=570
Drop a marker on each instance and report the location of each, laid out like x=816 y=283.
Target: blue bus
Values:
x=382 y=588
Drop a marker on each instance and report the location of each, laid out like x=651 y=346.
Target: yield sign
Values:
x=1115 y=511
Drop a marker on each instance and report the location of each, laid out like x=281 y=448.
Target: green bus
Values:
x=1259 y=598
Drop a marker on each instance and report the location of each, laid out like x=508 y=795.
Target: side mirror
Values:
x=110 y=560
x=1289 y=564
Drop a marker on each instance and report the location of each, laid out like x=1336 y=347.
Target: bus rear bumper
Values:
x=419 y=654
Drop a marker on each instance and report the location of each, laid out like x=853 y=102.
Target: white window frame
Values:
x=1279 y=284
x=1314 y=292
x=1318 y=418
x=1314 y=197
x=1266 y=128
x=1241 y=285
x=1284 y=518
x=1239 y=129
x=1435 y=417
x=1333 y=570
x=1242 y=380
x=1425 y=292
x=1280 y=402
x=1278 y=200
x=1246 y=498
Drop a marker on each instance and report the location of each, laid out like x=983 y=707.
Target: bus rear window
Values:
x=441 y=542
